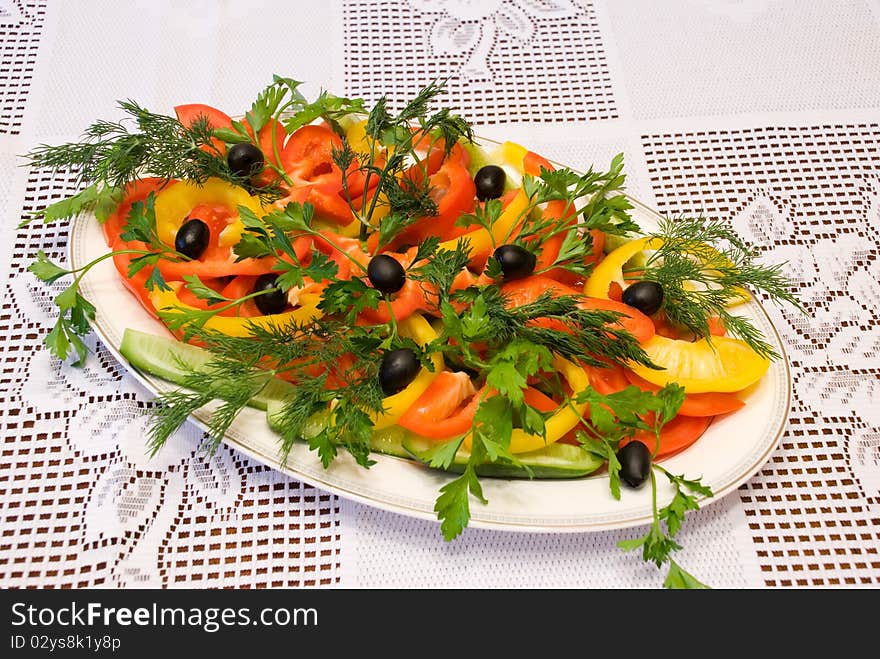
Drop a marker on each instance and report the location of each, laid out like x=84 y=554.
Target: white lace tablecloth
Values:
x=764 y=113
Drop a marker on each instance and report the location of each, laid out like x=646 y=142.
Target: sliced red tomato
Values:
x=675 y=436
x=525 y=290
x=706 y=404
x=607 y=380
x=445 y=409
x=453 y=191
x=114 y=226
x=308 y=159
x=187 y=115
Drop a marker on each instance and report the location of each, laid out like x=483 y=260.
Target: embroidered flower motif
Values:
x=472 y=28
x=136 y=500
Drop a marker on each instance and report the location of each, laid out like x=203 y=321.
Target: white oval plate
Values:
x=731 y=450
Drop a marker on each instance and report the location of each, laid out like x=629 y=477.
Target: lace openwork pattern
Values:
x=518 y=60
x=21 y=26
x=83 y=503
x=809 y=195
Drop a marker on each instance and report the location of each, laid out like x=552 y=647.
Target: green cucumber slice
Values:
x=552 y=461
x=480 y=157
x=613 y=241
x=171 y=360
x=388 y=440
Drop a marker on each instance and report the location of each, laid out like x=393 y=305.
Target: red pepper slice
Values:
x=532 y=164
x=234 y=289
x=607 y=380
x=113 y=227
x=407 y=301
x=308 y=159
x=453 y=190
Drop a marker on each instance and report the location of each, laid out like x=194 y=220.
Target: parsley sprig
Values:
x=617 y=416
x=74 y=311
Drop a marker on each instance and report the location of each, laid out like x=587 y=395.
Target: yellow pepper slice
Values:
x=513 y=154
x=610 y=268
x=725 y=365
x=175 y=202
x=420 y=330
x=356 y=136
x=564 y=419
x=238 y=326
x=481 y=240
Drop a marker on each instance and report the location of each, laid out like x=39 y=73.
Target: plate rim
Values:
x=155 y=386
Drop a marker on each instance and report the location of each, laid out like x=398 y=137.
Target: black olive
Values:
x=646 y=296
x=269 y=303
x=515 y=261
x=635 y=463
x=489 y=181
x=244 y=159
x=386 y=274
x=192 y=238
x=398 y=368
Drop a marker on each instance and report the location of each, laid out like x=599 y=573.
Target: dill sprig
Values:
x=345 y=391
x=704 y=267
x=114 y=153
x=232 y=382
x=584 y=335
x=394 y=140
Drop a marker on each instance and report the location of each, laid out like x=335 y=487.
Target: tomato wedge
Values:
x=438 y=413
